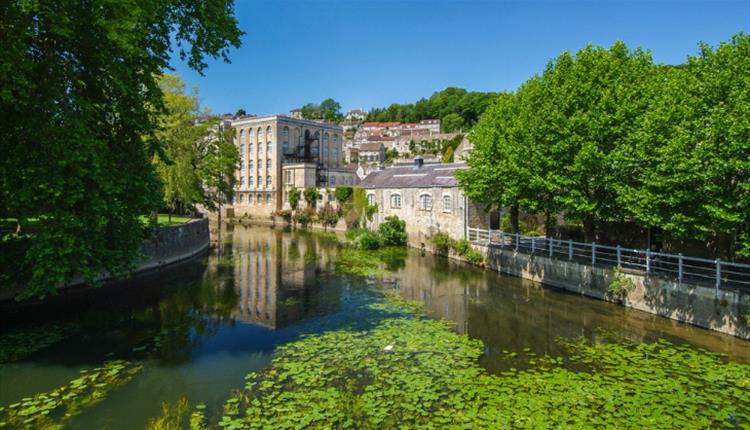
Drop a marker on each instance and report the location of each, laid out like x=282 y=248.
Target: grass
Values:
x=163 y=219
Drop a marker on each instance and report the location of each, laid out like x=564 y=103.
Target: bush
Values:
x=328 y=216
x=343 y=193
x=464 y=249
x=368 y=240
x=462 y=246
x=393 y=231
x=285 y=215
x=304 y=217
x=621 y=285
x=442 y=242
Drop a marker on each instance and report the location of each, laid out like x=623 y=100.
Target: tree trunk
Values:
x=589 y=230
x=514 y=219
x=18 y=226
x=547 y=223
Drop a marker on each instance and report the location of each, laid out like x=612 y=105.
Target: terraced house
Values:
x=428 y=198
x=278 y=153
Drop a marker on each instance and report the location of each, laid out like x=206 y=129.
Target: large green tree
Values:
x=689 y=160
x=80 y=103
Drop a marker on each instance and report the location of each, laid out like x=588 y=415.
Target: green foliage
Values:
x=311 y=194
x=172 y=416
x=367 y=240
x=391 y=154
x=452 y=122
x=402 y=371
x=450 y=104
x=442 y=242
x=218 y=168
x=328 y=216
x=606 y=136
x=80 y=103
x=392 y=231
x=448 y=155
x=343 y=193
x=304 y=217
x=53 y=409
x=463 y=248
x=294 y=196
x=621 y=285
x=329 y=110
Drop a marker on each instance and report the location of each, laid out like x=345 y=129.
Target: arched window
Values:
x=447 y=203
x=269 y=133
x=268 y=181
x=242 y=150
x=425 y=202
x=250 y=135
x=251 y=181
x=241 y=198
x=268 y=163
x=396 y=201
x=260 y=148
x=260 y=134
x=250 y=198
x=371 y=199
x=269 y=198
x=335 y=154
x=242 y=136
x=251 y=148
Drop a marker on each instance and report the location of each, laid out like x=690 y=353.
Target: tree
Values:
x=330 y=110
x=452 y=122
x=391 y=154
x=392 y=231
x=240 y=112
x=218 y=167
x=310 y=195
x=79 y=98
x=448 y=154
x=343 y=193
x=178 y=165
x=294 y=196
x=689 y=159
x=328 y=216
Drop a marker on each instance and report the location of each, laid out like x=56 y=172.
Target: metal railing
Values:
x=718 y=273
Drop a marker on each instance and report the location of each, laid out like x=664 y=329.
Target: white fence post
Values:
x=618 y=256
x=570 y=249
x=718 y=275
x=533 y=244
x=502 y=238
x=593 y=253
x=679 y=267
x=551 y=251
x=648 y=261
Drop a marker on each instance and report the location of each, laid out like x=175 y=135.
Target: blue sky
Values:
x=373 y=53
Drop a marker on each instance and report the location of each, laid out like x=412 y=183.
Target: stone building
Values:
x=428 y=198
x=278 y=153
x=372 y=153
x=356 y=115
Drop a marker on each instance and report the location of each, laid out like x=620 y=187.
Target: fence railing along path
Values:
x=717 y=273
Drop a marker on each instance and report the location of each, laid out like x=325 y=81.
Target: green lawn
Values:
x=163 y=219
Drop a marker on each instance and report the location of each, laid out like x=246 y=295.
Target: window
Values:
x=371 y=199
x=260 y=181
x=268 y=163
x=242 y=150
x=242 y=181
x=268 y=181
x=331 y=197
x=269 y=148
x=249 y=198
x=332 y=180
x=250 y=181
x=260 y=148
x=425 y=202
x=285 y=139
x=252 y=148
x=447 y=203
x=288 y=177
x=269 y=198
x=335 y=154
x=286 y=197
x=250 y=165
x=241 y=198
x=396 y=201
x=325 y=153
x=250 y=136
x=260 y=134
x=242 y=136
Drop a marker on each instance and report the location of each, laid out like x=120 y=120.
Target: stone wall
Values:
x=174 y=243
x=719 y=310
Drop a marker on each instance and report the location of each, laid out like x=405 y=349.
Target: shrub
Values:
x=392 y=231
x=311 y=195
x=462 y=246
x=328 y=216
x=294 y=196
x=464 y=249
x=304 y=217
x=442 y=242
x=368 y=240
x=343 y=193
x=621 y=285
x=284 y=214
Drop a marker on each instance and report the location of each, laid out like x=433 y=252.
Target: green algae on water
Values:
x=407 y=371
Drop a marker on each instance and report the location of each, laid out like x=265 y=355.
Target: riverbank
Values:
x=723 y=311
x=169 y=245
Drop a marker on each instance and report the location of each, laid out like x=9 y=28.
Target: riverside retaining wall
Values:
x=174 y=243
x=703 y=306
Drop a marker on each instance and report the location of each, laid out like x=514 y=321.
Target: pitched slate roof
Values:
x=409 y=176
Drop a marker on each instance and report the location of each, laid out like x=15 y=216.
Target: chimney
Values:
x=418 y=162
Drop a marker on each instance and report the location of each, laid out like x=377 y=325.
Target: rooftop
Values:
x=410 y=176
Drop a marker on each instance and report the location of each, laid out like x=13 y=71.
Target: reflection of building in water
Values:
x=445 y=288
x=276 y=278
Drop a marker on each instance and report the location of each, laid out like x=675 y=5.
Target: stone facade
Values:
x=278 y=153
x=427 y=197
